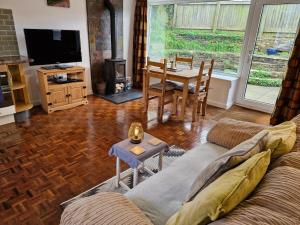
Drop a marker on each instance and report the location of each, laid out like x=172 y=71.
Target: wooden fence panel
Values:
x=233 y=16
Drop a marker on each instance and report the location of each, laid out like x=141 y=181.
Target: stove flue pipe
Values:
x=112 y=12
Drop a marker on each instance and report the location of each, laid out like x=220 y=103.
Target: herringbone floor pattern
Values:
x=52 y=158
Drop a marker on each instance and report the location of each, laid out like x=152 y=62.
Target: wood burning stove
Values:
x=115 y=68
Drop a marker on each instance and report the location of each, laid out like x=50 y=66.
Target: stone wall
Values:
x=8 y=39
x=99 y=37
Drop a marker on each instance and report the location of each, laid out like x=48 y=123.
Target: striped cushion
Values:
x=229 y=132
x=104 y=208
x=276 y=201
x=291 y=159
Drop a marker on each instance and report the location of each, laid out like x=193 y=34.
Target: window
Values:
x=206 y=30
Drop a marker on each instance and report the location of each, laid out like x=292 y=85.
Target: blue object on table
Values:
x=272 y=51
x=122 y=150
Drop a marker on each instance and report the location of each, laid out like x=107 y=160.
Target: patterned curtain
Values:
x=288 y=103
x=139 y=42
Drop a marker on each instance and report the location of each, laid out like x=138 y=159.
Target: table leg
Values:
x=118 y=172
x=135 y=176
x=184 y=100
x=160 y=160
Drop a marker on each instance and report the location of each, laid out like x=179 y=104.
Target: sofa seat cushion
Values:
x=160 y=196
x=229 y=132
x=275 y=201
x=105 y=208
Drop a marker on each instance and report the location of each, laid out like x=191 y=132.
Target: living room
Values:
x=136 y=112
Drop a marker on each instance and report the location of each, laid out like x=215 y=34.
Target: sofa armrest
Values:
x=228 y=133
x=105 y=208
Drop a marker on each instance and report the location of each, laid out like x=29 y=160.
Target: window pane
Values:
x=206 y=30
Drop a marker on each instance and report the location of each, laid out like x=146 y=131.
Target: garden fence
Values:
x=233 y=16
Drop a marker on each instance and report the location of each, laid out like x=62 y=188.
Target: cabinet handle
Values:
x=84 y=87
x=84 y=96
x=48 y=93
x=49 y=104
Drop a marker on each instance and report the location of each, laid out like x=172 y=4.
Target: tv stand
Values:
x=56 y=67
x=62 y=96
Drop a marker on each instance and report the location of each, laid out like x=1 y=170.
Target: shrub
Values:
x=266 y=82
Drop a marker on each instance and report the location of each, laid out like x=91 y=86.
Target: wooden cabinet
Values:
x=62 y=96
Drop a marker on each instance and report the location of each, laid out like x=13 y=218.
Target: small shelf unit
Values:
x=18 y=85
x=62 y=96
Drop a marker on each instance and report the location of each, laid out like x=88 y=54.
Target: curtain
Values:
x=288 y=103
x=139 y=42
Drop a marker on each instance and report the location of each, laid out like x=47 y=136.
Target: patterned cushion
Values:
x=105 y=209
x=229 y=132
x=159 y=86
x=192 y=87
x=229 y=160
x=275 y=201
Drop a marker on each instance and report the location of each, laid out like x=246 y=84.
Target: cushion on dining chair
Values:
x=159 y=86
x=192 y=88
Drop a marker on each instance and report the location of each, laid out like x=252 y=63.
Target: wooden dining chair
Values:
x=187 y=60
x=161 y=90
x=198 y=93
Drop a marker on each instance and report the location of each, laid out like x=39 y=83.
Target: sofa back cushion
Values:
x=229 y=132
x=275 y=201
x=291 y=159
x=227 y=161
x=221 y=196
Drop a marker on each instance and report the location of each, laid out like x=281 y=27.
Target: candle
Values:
x=136 y=132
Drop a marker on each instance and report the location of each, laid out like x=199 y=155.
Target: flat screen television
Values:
x=53 y=46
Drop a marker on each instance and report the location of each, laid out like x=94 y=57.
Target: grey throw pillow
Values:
x=227 y=161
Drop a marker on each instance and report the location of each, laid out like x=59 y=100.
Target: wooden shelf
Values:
x=17 y=85
x=21 y=106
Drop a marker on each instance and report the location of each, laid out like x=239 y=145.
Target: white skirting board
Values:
x=7 y=119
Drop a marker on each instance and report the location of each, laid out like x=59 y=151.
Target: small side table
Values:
x=122 y=152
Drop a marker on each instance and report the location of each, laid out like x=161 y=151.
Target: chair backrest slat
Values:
x=189 y=60
x=202 y=72
x=160 y=66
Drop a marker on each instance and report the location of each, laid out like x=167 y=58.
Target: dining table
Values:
x=185 y=76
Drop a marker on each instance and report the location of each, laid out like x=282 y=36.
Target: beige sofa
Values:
x=276 y=200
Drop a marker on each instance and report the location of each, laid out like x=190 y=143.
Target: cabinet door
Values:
x=58 y=97
x=76 y=93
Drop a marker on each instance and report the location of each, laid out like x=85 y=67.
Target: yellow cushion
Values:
x=225 y=193
x=287 y=133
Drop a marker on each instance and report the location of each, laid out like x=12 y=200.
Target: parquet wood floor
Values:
x=52 y=158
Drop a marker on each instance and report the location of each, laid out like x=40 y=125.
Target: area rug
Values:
x=127 y=96
x=109 y=185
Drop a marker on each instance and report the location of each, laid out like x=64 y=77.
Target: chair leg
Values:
x=162 y=106
x=175 y=101
x=146 y=102
x=204 y=103
x=195 y=109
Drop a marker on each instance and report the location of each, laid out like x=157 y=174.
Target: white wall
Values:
x=36 y=14
x=128 y=22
